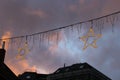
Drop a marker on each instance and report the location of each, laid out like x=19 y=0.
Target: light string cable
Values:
x=38 y=33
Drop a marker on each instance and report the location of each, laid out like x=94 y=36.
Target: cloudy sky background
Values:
x=22 y=17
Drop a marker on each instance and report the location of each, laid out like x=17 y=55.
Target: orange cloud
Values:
x=43 y=71
x=53 y=48
x=73 y=8
x=55 y=38
x=81 y=1
x=21 y=66
x=38 y=13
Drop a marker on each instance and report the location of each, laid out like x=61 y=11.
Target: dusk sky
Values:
x=23 y=17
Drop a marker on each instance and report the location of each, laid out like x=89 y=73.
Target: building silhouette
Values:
x=5 y=72
x=80 y=71
x=32 y=76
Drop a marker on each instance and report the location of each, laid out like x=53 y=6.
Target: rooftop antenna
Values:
x=64 y=65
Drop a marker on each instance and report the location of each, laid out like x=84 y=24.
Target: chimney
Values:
x=2 y=53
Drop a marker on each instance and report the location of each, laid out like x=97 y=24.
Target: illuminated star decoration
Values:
x=87 y=37
x=23 y=51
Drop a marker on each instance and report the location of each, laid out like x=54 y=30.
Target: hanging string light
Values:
x=23 y=51
x=90 y=34
x=46 y=35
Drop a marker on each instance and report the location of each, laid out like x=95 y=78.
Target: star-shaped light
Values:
x=90 y=34
x=23 y=51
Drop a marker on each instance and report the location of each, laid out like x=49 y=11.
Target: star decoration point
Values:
x=25 y=51
x=92 y=34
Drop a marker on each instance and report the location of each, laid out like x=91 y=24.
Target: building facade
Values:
x=5 y=72
x=81 y=71
x=32 y=76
